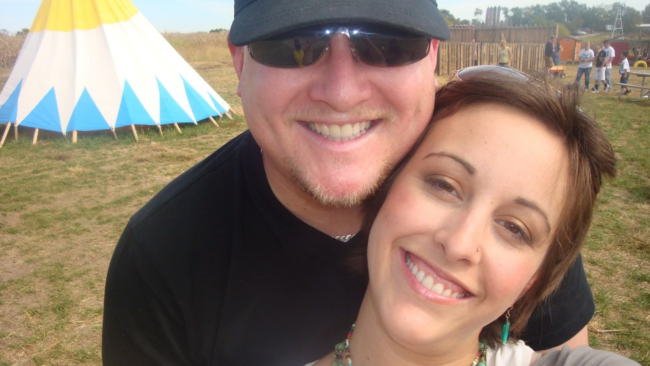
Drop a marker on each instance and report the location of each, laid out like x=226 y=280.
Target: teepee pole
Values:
x=4 y=135
x=160 y=130
x=135 y=133
x=74 y=136
x=214 y=122
x=16 y=131
x=35 y=139
x=228 y=115
x=178 y=128
x=114 y=135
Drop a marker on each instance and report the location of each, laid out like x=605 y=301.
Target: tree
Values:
x=477 y=13
x=646 y=14
x=22 y=32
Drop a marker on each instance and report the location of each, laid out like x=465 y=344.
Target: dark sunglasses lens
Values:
x=298 y=51
x=390 y=50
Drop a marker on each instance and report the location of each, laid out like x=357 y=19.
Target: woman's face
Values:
x=466 y=225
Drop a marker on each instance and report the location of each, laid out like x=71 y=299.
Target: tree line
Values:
x=571 y=14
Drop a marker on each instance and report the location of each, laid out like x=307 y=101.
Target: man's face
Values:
x=335 y=128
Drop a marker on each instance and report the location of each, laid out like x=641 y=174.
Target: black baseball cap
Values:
x=256 y=20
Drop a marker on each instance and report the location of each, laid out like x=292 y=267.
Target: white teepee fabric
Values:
x=99 y=64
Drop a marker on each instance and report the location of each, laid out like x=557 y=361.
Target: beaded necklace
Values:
x=342 y=356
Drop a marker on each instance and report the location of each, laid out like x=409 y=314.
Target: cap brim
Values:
x=263 y=19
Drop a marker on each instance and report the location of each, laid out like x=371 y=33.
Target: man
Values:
x=586 y=61
x=609 y=57
x=548 y=53
x=241 y=260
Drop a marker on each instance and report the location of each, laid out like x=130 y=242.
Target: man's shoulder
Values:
x=206 y=182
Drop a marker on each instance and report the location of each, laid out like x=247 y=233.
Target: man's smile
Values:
x=340 y=133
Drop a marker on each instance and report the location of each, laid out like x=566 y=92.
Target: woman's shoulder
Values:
x=581 y=356
x=511 y=354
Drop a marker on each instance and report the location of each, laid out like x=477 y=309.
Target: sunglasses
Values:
x=371 y=44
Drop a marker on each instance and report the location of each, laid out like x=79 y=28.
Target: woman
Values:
x=505 y=54
x=477 y=224
x=557 y=51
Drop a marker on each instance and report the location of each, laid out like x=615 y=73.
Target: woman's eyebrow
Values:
x=529 y=204
x=469 y=167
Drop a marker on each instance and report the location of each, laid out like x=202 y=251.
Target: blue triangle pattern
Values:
x=200 y=107
x=45 y=115
x=9 y=110
x=221 y=109
x=86 y=116
x=131 y=110
x=170 y=111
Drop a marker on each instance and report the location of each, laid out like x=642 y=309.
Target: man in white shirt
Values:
x=608 y=63
x=586 y=58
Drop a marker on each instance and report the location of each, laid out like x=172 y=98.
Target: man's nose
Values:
x=342 y=80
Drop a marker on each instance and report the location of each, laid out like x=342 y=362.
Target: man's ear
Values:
x=433 y=55
x=237 y=53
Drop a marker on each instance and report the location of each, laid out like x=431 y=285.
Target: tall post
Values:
x=35 y=139
x=4 y=135
x=74 y=136
x=135 y=133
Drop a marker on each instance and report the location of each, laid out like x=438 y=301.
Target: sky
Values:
x=203 y=15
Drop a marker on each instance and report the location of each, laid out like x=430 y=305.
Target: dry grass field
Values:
x=63 y=207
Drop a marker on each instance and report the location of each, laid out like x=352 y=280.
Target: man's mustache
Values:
x=324 y=114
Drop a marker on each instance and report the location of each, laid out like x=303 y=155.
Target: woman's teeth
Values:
x=338 y=133
x=429 y=283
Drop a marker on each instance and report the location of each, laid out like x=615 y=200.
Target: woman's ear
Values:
x=528 y=285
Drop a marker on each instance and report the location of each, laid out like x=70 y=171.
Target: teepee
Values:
x=99 y=64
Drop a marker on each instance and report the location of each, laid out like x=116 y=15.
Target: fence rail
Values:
x=510 y=34
x=457 y=55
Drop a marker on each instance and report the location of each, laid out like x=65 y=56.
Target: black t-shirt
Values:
x=600 y=58
x=215 y=271
x=548 y=51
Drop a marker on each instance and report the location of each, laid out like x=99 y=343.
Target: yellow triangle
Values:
x=68 y=15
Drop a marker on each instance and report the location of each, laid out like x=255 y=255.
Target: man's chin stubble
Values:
x=325 y=197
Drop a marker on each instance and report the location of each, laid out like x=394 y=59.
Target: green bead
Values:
x=482 y=363
x=334 y=363
x=339 y=347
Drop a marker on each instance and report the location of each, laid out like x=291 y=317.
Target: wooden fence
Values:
x=457 y=55
x=465 y=33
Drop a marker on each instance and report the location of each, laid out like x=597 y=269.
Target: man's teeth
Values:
x=429 y=283
x=338 y=133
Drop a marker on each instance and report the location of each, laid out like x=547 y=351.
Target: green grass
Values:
x=63 y=207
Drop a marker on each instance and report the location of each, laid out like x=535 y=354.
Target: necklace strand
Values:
x=343 y=357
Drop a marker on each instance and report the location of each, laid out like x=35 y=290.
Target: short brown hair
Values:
x=590 y=157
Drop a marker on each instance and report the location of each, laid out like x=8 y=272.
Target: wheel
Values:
x=562 y=75
x=640 y=64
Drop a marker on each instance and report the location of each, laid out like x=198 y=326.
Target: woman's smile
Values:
x=430 y=282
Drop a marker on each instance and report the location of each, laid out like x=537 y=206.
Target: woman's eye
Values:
x=441 y=185
x=515 y=231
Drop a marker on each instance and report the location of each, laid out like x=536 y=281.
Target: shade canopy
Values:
x=99 y=64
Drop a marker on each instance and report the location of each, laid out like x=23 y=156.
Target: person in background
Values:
x=624 y=70
x=599 y=70
x=610 y=54
x=586 y=61
x=557 y=51
x=636 y=53
x=505 y=54
x=548 y=53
